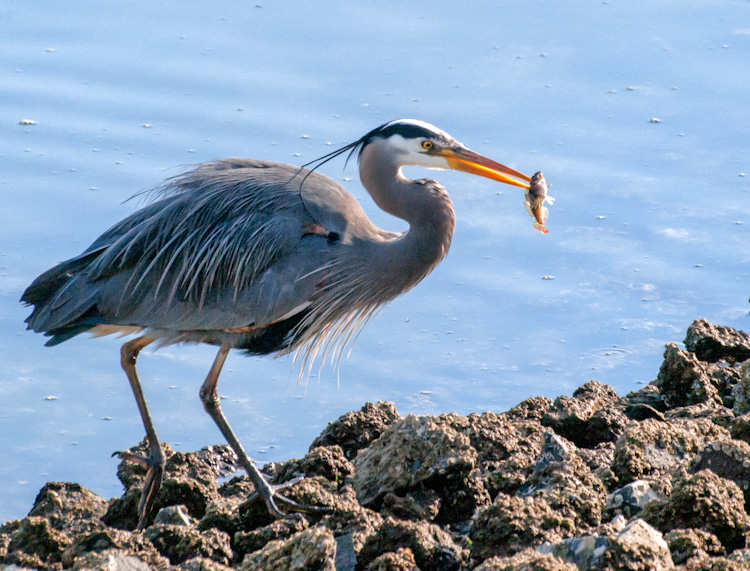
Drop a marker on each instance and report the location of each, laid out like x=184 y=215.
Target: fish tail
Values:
x=541 y=227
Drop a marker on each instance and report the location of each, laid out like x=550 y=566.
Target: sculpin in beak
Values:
x=536 y=196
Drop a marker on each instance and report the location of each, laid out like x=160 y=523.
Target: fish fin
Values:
x=545 y=214
x=550 y=200
x=527 y=205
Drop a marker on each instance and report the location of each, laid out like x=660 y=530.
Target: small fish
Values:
x=536 y=195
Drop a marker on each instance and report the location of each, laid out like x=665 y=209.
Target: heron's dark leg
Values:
x=156 y=460
x=268 y=492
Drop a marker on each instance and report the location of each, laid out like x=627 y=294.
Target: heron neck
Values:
x=424 y=204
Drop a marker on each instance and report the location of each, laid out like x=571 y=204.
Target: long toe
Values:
x=148 y=495
x=155 y=463
x=128 y=456
x=283 y=507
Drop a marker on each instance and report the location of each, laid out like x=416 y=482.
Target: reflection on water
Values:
x=648 y=232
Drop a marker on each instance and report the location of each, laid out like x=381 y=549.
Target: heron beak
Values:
x=465 y=160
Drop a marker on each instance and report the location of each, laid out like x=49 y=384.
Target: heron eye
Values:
x=427 y=145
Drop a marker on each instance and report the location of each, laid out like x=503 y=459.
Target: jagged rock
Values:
x=562 y=480
x=719 y=415
x=713 y=342
x=174 y=515
x=202 y=564
x=433 y=548
x=110 y=560
x=350 y=519
x=650 y=396
x=715 y=564
x=704 y=501
x=728 y=459
x=400 y=560
x=511 y=524
x=533 y=408
x=685 y=437
x=631 y=499
x=356 y=430
x=245 y=542
x=652 y=449
x=179 y=543
x=587 y=418
x=313 y=549
x=507 y=445
x=326 y=461
x=189 y=480
x=560 y=496
x=100 y=538
x=740 y=428
x=640 y=411
x=62 y=503
x=418 y=453
x=684 y=380
x=223 y=513
x=636 y=547
x=526 y=560
x=684 y=544
x=741 y=391
x=35 y=543
x=599 y=460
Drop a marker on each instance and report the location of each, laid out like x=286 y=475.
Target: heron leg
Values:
x=267 y=491
x=155 y=461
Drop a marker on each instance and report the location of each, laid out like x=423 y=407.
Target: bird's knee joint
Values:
x=209 y=398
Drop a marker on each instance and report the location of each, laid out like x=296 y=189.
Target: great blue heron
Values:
x=260 y=256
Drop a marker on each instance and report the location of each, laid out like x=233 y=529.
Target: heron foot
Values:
x=155 y=463
x=274 y=499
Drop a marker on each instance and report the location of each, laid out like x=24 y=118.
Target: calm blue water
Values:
x=649 y=231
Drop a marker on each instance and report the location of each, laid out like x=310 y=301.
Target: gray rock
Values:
x=432 y=547
x=313 y=549
x=400 y=560
x=652 y=449
x=636 y=547
x=110 y=560
x=713 y=342
x=512 y=524
x=707 y=502
x=728 y=459
x=356 y=430
x=418 y=453
x=631 y=499
x=741 y=391
x=245 y=542
x=174 y=515
x=63 y=502
x=740 y=428
x=507 y=444
x=527 y=560
x=685 y=544
x=684 y=380
x=588 y=417
x=180 y=543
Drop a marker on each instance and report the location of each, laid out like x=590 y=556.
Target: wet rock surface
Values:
x=657 y=479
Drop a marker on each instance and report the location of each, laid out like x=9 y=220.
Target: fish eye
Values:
x=427 y=145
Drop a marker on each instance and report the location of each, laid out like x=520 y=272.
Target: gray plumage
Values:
x=261 y=256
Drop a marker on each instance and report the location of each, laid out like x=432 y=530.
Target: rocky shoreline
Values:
x=657 y=479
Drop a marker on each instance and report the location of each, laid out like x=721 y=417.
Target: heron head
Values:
x=414 y=142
